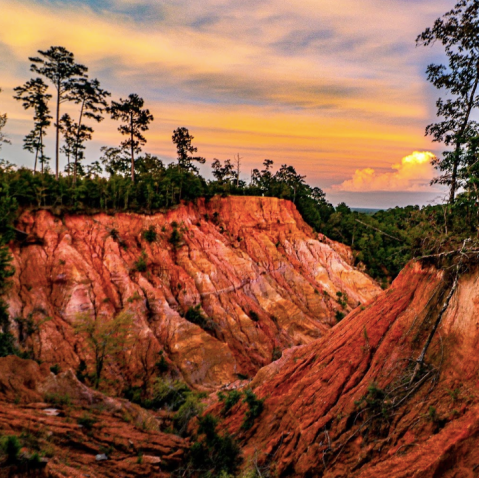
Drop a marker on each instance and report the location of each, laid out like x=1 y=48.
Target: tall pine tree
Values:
x=59 y=66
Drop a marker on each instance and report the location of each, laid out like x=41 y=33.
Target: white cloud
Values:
x=414 y=174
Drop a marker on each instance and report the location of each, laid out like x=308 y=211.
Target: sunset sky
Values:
x=334 y=87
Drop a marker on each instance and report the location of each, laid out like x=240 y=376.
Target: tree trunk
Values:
x=132 y=150
x=77 y=143
x=452 y=195
x=57 y=147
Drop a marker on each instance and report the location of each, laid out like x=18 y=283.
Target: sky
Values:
x=336 y=88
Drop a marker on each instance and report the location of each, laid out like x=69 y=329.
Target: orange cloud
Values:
x=414 y=173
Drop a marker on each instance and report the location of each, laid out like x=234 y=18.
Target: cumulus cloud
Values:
x=414 y=174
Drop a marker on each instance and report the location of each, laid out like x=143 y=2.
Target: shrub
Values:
x=339 y=316
x=214 y=454
x=149 y=234
x=11 y=447
x=140 y=264
x=161 y=364
x=229 y=400
x=169 y=393
x=255 y=408
x=175 y=238
x=191 y=408
x=195 y=316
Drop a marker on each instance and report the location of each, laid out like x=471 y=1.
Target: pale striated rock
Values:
x=238 y=257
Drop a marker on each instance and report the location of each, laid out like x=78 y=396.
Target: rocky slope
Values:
x=263 y=279
x=350 y=404
x=78 y=431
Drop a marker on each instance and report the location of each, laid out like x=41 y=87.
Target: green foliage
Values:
x=342 y=299
x=230 y=399
x=161 y=364
x=169 y=393
x=213 y=454
x=11 y=447
x=149 y=234
x=195 y=316
x=338 y=315
x=106 y=339
x=375 y=401
x=255 y=408
x=457 y=32
x=8 y=207
x=189 y=409
x=175 y=238
x=141 y=264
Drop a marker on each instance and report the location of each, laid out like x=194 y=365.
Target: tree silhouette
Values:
x=136 y=121
x=92 y=100
x=458 y=32
x=74 y=136
x=182 y=139
x=59 y=66
x=34 y=95
x=3 y=122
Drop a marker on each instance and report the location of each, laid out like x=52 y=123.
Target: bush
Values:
x=255 y=408
x=11 y=447
x=229 y=400
x=149 y=234
x=140 y=264
x=161 y=364
x=175 y=238
x=214 y=454
x=195 y=316
x=169 y=393
x=339 y=316
x=191 y=408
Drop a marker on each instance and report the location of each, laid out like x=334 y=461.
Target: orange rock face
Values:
x=263 y=279
x=350 y=405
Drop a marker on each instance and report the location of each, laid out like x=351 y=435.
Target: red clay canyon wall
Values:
x=241 y=259
x=349 y=405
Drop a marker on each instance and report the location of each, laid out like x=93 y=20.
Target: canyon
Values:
x=341 y=398
x=262 y=278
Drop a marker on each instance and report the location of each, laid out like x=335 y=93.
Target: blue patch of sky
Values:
x=141 y=13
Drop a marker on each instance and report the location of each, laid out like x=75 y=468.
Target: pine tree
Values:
x=136 y=119
x=34 y=95
x=185 y=150
x=92 y=100
x=59 y=66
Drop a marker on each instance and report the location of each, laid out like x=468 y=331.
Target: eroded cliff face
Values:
x=259 y=273
x=350 y=404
